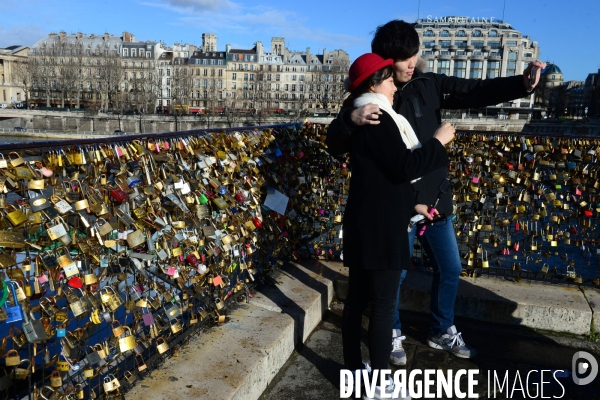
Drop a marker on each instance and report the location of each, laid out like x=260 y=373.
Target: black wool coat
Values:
x=380 y=200
x=420 y=101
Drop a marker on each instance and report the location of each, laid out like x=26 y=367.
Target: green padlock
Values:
x=202 y=198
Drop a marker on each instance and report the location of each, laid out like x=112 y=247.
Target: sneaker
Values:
x=451 y=342
x=367 y=368
x=398 y=355
x=389 y=391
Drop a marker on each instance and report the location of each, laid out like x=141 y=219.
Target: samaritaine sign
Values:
x=461 y=20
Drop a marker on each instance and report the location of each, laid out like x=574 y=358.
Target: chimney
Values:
x=63 y=34
x=308 y=55
x=106 y=35
x=227 y=48
x=79 y=35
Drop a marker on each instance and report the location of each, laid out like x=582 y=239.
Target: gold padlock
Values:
x=161 y=345
x=128 y=342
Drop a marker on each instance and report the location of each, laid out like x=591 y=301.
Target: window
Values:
x=429 y=65
x=461 y=44
x=233 y=85
x=445 y=33
x=125 y=52
x=133 y=52
x=493 y=34
x=445 y=43
x=476 y=69
x=478 y=44
x=493 y=69
x=428 y=33
x=220 y=73
x=494 y=44
x=428 y=44
x=477 y=33
x=245 y=77
x=205 y=72
x=293 y=77
x=204 y=83
x=461 y=33
x=528 y=55
x=251 y=77
x=512 y=43
x=444 y=67
x=234 y=75
x=460 y=69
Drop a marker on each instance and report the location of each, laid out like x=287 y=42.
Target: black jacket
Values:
x=380 y=202
x=420 y=101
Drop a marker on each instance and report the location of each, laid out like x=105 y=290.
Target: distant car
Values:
x=3 y=105
x=19 y=129
x=119 y=132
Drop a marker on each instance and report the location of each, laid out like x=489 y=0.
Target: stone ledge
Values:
x=529 y=304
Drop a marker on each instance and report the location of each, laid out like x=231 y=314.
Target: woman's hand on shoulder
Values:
x=366 y=115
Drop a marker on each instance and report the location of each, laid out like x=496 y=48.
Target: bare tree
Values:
x=24 y=73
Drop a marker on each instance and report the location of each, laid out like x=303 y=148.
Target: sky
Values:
x=567 y=32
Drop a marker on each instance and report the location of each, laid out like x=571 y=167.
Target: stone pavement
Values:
x=312 y=372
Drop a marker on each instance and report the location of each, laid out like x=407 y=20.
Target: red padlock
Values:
x=192 y=259
x=516 y=246
x=118 y=195
x=505 y=252
x=517 y=226
x=239 y=196
x=257 y=222
x=588 y=213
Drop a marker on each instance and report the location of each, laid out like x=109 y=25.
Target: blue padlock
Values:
x=61 y=332
x=14 y=313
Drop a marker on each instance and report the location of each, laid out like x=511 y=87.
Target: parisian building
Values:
x=12 y=69
x=477 y=48
x=121 y=74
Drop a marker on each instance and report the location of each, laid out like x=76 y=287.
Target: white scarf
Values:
x=406 y=131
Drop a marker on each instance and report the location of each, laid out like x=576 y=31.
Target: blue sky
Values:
x=566 y=31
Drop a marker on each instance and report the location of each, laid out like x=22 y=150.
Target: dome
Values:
x=551 y=69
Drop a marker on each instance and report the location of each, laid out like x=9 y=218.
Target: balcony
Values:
x=470 y=48
x=453 y=48
x=494 y=56
x=486 y=49
x=477 y=55
x=445 y=55
x=460 y=56
x=436 y=47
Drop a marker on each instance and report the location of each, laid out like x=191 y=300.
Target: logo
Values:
x=584 y=363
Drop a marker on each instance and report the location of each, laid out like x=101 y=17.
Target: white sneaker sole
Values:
x=398 y=361
x=440 y=347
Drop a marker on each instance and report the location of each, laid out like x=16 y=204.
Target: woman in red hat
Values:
x=385 y=159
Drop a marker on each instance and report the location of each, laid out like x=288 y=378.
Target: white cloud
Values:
x=260 y=21
x=198 y=6
x=26 y=35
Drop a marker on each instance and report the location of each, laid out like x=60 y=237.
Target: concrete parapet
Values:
x=528 y=304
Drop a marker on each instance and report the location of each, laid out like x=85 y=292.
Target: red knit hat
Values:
x=365 y=66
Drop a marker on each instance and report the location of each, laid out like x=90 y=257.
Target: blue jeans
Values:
x=439 y=242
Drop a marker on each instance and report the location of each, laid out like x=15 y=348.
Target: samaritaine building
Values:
x=477 y=48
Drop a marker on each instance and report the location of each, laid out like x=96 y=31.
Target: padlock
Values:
x=161 y=345
x=55 y=379
x=14 y=312
x=65 y=262
x=176 y=327
x=34 y=328
x=12 y=358
x=127 y=342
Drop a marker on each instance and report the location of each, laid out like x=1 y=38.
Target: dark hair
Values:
x=397 y=40
x=375 y=79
